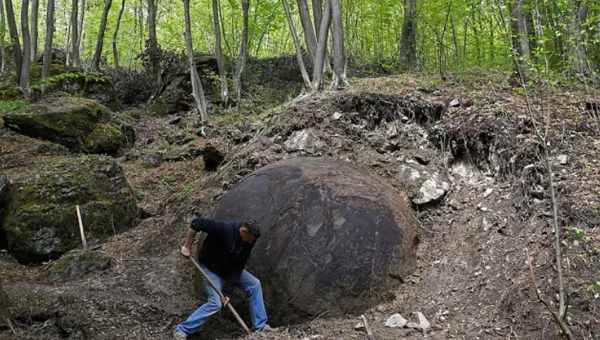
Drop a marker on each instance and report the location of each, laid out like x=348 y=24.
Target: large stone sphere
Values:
x=335 y=238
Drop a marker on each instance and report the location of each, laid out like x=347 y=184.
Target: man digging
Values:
x=223 y=256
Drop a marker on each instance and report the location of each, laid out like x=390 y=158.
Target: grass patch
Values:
x=12 y=105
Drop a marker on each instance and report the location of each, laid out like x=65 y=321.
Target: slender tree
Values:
x=339 y=52
x=81 y=26
x=290 y=20
x=116 y=35
x=317 y=9
x=26 y=60
x=578 y=56
x=197 y=90
x=241 y=62
x=216 y=9
x=101 y=32
x=408 y=40
x=75 y=59
x=520 y=37
x=319 y=62
x=49 y=38
x=2 y=37
x=35 y=7
x=152 y=44
x=310 y=37
x=14 y=38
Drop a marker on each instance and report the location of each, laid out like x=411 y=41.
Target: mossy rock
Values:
x=41 y=223
x=77 y=123
x=76 y=264
x=173 y=99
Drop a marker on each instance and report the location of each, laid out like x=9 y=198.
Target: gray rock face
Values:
x=40 y=221
x=305 y=141
x=425 y=187
x=334 y=237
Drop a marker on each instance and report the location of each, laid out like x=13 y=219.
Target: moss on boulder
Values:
x=41 y=222
x=78 y=263
x=80 y=124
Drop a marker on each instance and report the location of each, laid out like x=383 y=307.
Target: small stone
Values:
x=175 y=120
x=454 y=103
x=380 y=309
x=488 y=192
x=304 y=140
x=422 y=159
x=336 y=115
x=359 y=326
x=563 y=159
x=423 y=324
x=396 y=321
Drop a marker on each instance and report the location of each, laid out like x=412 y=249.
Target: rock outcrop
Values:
x=335 y=237
x=40 y=222
x=77 y=123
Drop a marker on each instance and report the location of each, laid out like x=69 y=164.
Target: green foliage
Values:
x=12 y=105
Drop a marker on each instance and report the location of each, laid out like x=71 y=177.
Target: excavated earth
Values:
x=466 y=153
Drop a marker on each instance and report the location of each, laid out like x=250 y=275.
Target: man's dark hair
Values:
x=252 y=227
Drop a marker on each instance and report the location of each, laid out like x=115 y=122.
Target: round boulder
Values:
x=335 y=238
x=40 y=222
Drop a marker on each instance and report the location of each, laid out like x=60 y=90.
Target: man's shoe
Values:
x=266 y=329
x=177 y=335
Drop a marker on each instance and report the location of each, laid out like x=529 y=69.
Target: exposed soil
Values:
x=472 y=280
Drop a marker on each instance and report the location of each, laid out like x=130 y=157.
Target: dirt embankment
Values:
x=467 y=154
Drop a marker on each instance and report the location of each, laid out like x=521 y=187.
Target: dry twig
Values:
x=560 y=321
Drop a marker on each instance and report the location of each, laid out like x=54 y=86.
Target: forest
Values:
x=389 y=169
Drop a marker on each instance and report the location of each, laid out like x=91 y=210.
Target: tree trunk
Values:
x=339 y=52
x=35 y=6
x=2 y=37
x=116 y=36
x=310 y=37
x=152 y=45
x=14 y=38
x=75 y=59
x=578 y=56
x=81 y=27
x=520 y=39
x=26 y=65
x=49 y=38
x=216 y=8
x=319 y=61
x=197 y=90
x=100 y=40
x=241 y=62
x=317 y=7
x=408 y=41
x=290 y=20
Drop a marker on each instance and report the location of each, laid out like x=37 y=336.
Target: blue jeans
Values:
x=250 y=284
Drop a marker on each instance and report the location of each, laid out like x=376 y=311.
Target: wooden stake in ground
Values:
x=221 y=296
x=367 y=328
x=81 y=231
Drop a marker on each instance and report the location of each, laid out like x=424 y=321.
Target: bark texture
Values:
x=49 y=39
x=197 y=90
x=408 y=40
x=101 y=32
x=116 y=36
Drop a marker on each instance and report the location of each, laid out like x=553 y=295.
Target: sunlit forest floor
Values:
x=472 y=280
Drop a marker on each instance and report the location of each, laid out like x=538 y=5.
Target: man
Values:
x=223 y=256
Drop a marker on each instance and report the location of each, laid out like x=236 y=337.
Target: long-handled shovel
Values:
x=212 y=285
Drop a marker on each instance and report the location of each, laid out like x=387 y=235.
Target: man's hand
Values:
x=185 y=251
x=225 y=300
